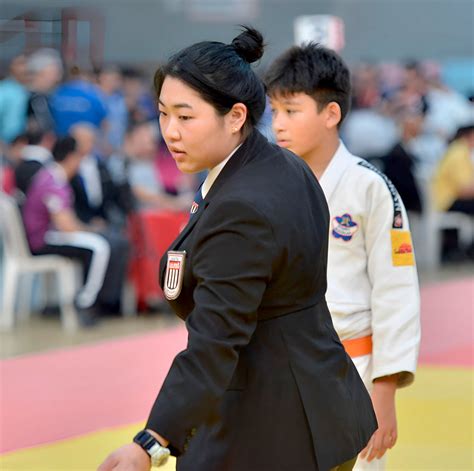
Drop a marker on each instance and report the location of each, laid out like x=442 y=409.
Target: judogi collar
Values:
x=335 y=170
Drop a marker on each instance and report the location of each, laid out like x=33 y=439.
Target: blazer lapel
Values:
x=247 y=151
x=182 y=235
x=189 y=226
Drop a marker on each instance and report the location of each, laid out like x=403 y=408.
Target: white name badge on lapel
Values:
x=174 y=274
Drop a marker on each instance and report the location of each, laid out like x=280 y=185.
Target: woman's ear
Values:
x=333 y=115
x=237 y=117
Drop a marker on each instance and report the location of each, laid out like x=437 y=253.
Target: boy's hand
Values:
x=385 y=437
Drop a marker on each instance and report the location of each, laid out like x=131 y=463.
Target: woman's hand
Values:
x=385 y=437
x=131 y=457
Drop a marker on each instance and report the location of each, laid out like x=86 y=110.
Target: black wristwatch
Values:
x=159 y=454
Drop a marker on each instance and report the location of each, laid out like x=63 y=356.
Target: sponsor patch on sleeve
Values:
x=402 y=248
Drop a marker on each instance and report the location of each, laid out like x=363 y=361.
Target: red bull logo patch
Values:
x=402 y=248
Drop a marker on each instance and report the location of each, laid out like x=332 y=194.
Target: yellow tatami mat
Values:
x=435 y=427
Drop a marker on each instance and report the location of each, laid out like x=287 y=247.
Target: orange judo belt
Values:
x=358 y=347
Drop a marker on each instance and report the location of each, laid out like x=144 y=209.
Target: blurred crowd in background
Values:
x=404 y=120
x=111 y=112
x=420 y=132
x=99 y=128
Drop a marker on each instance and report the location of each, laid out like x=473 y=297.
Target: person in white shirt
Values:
x=34 y=157
x=98 y=202
x=372 y=293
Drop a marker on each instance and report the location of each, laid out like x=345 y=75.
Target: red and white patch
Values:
x=174 y=274
x=194 y=208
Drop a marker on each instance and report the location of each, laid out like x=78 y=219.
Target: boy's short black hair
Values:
x=312 y=69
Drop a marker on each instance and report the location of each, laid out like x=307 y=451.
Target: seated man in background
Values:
x=399 y=164
x=453 y=188
x=453 y=181
x=98 y=201
x=97 y=196
x=33 y=157
x=52 y=227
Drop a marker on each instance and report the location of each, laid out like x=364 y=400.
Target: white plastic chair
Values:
x=434 y=222
x=19 y=261
x=437 y=222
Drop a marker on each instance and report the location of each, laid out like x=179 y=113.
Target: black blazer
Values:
x=264 y=383
x=114 y=196
x=25 y=171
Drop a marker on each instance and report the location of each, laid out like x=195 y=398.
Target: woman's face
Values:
x=197 y=137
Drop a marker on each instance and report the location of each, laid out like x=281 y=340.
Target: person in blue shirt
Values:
x=13 y=101
x=77 y=101
x=109 y=80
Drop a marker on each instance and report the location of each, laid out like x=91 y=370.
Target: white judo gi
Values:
x=372 y=280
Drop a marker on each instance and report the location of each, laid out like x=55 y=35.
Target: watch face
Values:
x=160 y=457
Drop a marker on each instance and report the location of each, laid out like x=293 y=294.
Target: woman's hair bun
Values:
x=249 y=44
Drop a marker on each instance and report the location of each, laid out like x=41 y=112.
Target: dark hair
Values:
x=133 y=126
x=20 y=139
x=35 y=136
x=131 y=72
x=221 y=73
x=412 y=65
x=463 y=131
x=315 y=70
x=63 y=147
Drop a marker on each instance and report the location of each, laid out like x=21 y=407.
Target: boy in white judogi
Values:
x=373 y=290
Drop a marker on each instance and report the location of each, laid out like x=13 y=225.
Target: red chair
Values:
x=151 y=233
x=7 y=180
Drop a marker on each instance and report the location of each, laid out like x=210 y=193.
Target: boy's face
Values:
x=297 y=123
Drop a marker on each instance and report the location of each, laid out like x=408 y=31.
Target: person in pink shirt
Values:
x=52 y=227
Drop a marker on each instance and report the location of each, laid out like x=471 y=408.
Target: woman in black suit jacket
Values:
x=264 y=383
